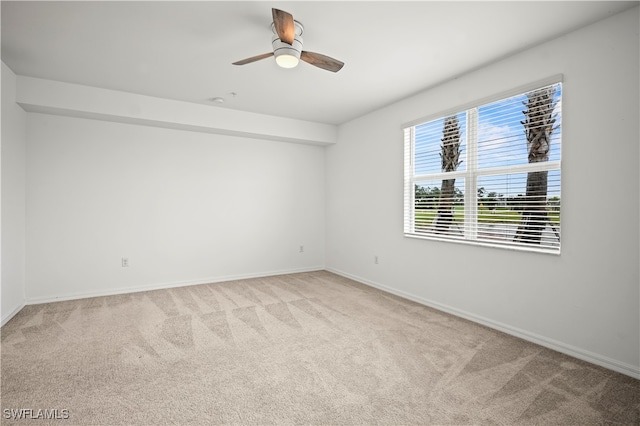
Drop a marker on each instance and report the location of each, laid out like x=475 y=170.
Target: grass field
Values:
x=424 y=217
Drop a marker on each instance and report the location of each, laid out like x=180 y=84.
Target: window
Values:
x=488 y=174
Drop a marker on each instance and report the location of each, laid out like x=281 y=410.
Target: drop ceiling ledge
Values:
x=59 y=98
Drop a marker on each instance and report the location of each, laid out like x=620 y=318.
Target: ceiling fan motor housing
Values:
x=281 y=48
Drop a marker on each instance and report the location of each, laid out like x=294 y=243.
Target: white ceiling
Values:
x=184 y=50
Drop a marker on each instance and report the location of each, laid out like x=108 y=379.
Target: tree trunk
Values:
x=534 y=216
x=449 y=155
x=444 y=217
x=538 y=128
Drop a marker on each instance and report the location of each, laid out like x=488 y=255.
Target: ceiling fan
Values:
x=287 y=46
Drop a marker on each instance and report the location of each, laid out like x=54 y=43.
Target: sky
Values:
x=501 y=143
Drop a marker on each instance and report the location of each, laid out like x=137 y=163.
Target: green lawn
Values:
x=485 y=215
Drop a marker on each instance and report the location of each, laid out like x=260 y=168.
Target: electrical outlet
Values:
x=125 y=262
x=375 y=259
x=301 y=249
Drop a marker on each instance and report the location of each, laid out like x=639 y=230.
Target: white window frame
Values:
x=471 y=173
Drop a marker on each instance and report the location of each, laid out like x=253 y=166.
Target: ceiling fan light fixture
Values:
x=287 y=61
x=287 y=55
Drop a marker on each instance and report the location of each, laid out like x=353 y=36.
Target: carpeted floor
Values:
x=309 y=348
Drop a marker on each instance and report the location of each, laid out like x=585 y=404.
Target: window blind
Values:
x=489 y=174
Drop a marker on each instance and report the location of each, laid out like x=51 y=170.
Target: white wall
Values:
x=13 y=168
x=183 y=207
x=583 y=302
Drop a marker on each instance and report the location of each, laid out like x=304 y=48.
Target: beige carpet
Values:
x=310 y=348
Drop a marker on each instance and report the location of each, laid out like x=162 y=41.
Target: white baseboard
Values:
x=603 y=361
x=159 y=286
x=6 y=318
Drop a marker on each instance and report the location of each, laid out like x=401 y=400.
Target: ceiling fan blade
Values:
x=283 y=23
x=322 y=61
x=253 y=59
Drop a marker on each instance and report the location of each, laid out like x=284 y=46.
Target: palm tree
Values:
x=538 y=128
x=449 y=155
